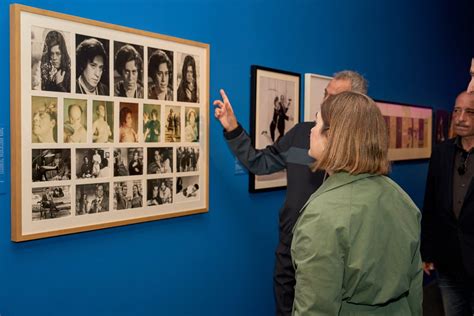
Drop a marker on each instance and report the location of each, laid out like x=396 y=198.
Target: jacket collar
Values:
x=335 y=181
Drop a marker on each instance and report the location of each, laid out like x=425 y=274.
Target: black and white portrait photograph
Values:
x=50 y=60
x=187 y=188
x=188 y=78
x=172 y=123
x=275 y=110
x=75 y=121
x=102 y=121
x=128 y=194
x=128 y=161
x=160 y=74
x=92 y=61
x=128 y=120
x=92 y=198
x=128 y=70
x=151 y=123
x=51 y=164
x=92 y=163
x=160 y=160
x=159 y=191
x=187 y=159
x=51 y=202
x=191 y=127
x=44 y=120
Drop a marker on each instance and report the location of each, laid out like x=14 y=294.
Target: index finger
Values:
x=224 y=96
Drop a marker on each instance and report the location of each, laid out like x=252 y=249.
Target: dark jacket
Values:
x=290 y=153
x=446 y=241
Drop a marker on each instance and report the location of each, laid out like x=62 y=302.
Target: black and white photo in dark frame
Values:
x=92 y=65
x=275 y=98
x=128 y=70
x=50 y=59
x=51 y=202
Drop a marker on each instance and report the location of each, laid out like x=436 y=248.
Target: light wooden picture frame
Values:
x=314 y=91
x=106 y=129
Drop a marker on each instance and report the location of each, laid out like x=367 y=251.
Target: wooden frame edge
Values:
x=15 y=119
x=62 y=232
x=73 y=18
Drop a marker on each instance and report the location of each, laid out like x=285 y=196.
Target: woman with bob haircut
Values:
x=355 y=246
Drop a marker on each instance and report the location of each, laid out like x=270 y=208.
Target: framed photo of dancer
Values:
x=409 y=128
x=314 y=92
x=275 y=98
x=105 y=130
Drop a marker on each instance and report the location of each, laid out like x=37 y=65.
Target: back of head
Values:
x=357 y=137
x=358 y=82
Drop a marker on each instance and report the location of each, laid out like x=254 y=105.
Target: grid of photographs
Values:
x=111 y=125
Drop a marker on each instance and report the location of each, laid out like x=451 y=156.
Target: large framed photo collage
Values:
x=109 y=125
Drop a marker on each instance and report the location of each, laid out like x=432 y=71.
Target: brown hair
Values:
x=357 y=135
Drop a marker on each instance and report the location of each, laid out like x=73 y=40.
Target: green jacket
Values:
x=356 y=249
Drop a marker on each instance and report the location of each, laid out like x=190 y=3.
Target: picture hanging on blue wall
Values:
x=409 y=129
x=275 y=110
x=109 y=125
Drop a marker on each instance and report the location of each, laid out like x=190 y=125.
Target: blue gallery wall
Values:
x=220 y=263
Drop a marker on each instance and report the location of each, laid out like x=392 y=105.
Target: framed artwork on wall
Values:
x=109 y=125
x=442 y=127
x=314 y=90
x=410 y=130
x=275 y=99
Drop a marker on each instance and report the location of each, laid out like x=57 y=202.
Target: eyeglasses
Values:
x=462 y=168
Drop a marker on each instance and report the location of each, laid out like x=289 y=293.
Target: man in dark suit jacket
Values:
x=101 y=202
x=448 y=213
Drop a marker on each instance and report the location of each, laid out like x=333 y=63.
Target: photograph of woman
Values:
x=128 y=123
x=55 y=64
x=188 y=89
x=191 y=130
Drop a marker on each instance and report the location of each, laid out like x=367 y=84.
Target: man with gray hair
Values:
x=290 y=152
